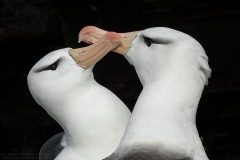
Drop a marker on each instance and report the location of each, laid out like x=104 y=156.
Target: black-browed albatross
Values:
x=173 y=69
x=92 y=117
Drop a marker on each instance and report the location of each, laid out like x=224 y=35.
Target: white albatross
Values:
x=173 y=69
x=92 y=117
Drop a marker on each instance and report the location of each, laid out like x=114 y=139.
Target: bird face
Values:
x=150 y=52
x=54 y=77
x=158 y=51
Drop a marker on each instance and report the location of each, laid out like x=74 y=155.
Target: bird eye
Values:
x=148 y=41
x=52 y=67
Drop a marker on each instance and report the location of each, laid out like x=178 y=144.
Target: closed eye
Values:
x=51 y=67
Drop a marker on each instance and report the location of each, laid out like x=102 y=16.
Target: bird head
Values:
x=65 y=73
x=55 y=76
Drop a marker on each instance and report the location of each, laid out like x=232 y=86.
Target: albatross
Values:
x=173 y=69
x=92 y=117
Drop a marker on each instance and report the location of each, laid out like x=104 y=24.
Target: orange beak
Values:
x=90 y=55
x=92 y=34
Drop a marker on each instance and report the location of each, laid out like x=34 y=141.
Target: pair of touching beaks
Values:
x=101 y=42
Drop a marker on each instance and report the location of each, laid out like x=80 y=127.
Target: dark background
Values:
x=29 y=29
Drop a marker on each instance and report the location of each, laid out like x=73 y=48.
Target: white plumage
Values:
x=173 y=71
x=173 y=68
x=93 y=118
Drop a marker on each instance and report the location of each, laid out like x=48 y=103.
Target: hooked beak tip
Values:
x=90 y=55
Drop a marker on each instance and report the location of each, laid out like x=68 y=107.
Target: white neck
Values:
x=164 y=114
x=93 y=123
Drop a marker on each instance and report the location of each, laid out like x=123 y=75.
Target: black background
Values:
x=29 y=29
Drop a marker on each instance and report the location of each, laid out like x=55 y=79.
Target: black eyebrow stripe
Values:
x=161 y=41
x=157 y=40
x=45 y=68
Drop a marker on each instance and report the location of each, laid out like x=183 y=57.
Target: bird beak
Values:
x=92 y=34
x=90 y=55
